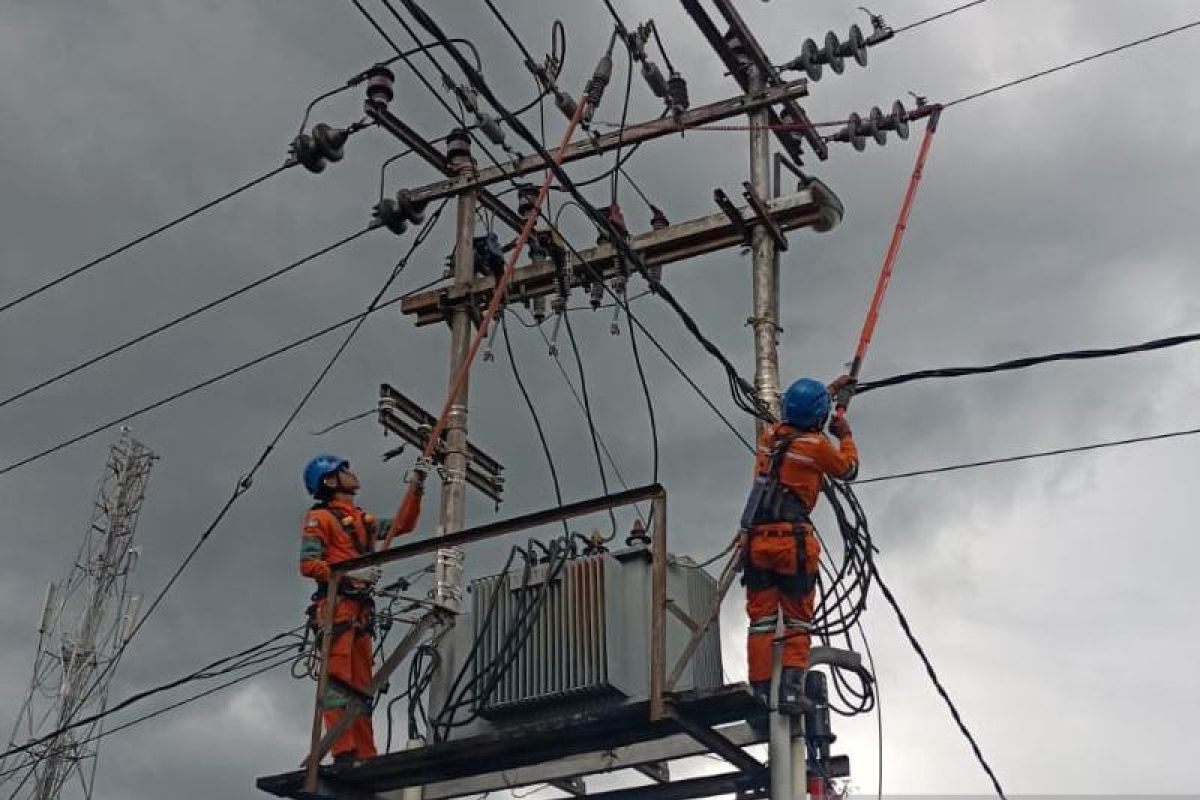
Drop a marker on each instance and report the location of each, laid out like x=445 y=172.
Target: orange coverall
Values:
x=781 y=563
x=335 y=532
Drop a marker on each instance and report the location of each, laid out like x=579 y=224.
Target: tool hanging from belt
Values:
x=934 y=113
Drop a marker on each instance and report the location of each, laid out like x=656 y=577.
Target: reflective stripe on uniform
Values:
x=801 y=458
x=796 y=624
x=762 y=625
x=312 y=547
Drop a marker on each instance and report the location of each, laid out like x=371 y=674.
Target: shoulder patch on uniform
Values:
x=312 y=522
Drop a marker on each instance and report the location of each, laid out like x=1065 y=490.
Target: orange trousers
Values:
x=351 y=657
x=779 y=579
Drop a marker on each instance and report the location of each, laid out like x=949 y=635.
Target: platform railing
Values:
x=437 y=617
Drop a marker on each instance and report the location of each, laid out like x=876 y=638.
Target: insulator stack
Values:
x=813 y=58
x=396 y=214
x=381 y=83
x=876 y=125
x=325 y=144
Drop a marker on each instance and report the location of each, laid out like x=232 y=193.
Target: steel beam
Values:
x=503 y=527
x=792 y=113
x=631 y=135
x=815 y=206
x=715 y=741
x=635 y=756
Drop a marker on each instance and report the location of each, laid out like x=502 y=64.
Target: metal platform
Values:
x=561 y=750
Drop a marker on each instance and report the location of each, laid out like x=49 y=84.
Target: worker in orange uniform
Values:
x=335 y=529
x=779 y=547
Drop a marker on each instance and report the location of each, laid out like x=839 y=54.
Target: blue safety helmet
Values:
x=316 y=470
x=806 y=404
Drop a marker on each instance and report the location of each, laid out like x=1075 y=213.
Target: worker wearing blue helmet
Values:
x=780 y=548
x=336 y=529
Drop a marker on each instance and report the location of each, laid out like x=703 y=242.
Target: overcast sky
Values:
x=1056 y=597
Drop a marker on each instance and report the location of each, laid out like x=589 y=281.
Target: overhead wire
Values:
x=591 y=423
x=1028 y=361
x=246 y=480
x=95 y=262
x=537 y=422
x=616 y=176
x=205 y=383
x=219 y=667
x=937 y=683
x=1030 y=456
x=178 y=320
x=741 y=390
x=937 y=16
x=562 y=370
x=1073 y=63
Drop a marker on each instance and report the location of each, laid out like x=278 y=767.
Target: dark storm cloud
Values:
x=1054 y=216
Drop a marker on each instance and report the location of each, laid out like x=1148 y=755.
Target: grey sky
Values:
x=1055 y=597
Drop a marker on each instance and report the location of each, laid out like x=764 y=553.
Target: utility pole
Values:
x=764 y=259
x=764 y=322
x=85 y=621
x=449 y=566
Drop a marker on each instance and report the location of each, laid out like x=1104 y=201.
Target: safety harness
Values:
x=774 y=506
x=361 y=595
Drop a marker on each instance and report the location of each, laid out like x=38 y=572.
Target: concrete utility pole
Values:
x=764 y=259
x=764 y=272
x=449 y=568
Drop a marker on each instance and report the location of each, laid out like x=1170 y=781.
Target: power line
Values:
x=1029 y=361
x=612 y=462
x=1029 y=456
x=144 y=237
x=921 y=22
x=537 y=421
x=246 y=481
x=741 y=390
x=1068 y=65
x=112 y=351
x=160 y=711
x=212 y=380
x=937 y=683
x=221 y=666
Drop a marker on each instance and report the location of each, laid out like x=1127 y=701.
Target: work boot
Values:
x=346 y=761
x=762 y=691
x=791 y=691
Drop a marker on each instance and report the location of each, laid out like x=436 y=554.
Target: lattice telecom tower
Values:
x=84 y=624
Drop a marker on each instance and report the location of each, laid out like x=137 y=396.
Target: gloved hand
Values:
x=369 y=575
x=839 y=384
x=839 y=427
x=419 y=470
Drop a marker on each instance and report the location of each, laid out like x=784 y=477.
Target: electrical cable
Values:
x=1068 y=65
x=562 y=370
x=171 y=323
x=1029 y=456
x=937 y=683
x=537 y=422
x=616 y=174
x=95 y=262
x=741 y=390
x=221 y=666
x=179 y=704
x=344 y=421
x=947 y=13
x=1029 y=361
x=637 y=360
x=244 y=483
x=245 y=365
x=591 y=423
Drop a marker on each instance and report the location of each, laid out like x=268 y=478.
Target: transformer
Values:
x=589 y=645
